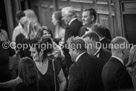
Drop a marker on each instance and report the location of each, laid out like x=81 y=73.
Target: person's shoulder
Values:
x=76 y=22
x=18 y=27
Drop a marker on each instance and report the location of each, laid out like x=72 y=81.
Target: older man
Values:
x=85 y=72
x=114 y=74
x=70 y=19
x=72 y=29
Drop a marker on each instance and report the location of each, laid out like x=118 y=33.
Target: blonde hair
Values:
x=31 y=15
x=25 y=21
x=132 y=56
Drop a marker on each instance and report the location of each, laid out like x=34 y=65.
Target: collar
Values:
x=102 y=38
x=118 y=59
x=97 y=52
x=89 y=29
x=71 y=21
x=79 y=56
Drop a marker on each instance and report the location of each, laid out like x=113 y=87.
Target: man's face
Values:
x=34 y=54
x=72 y=54
x=86 y=18
x=66 y=18
x=90 y=45
x=126 y=54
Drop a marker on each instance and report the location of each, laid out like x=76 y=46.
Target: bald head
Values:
x=120 y=47
x=118 y=43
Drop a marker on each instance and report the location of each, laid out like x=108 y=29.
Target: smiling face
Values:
x=35 y=55
x=46 y=34
x=86 y=18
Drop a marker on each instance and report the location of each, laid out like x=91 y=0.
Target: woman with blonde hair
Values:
x=59 y=27
x=131 y=65
x=132 y=60
x=31 y=15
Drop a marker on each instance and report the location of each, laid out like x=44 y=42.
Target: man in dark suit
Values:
x=88 y=19
x=95 y=48
x=114 y=74
x=72 y=29
x=104 y=35
x=70 y=19
x=85 y=72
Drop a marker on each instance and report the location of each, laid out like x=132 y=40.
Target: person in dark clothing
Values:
x=89 y=17
x=31 y=29
x=114 y=73
x=104 y=35
x=72 y=29
x=70 y=19
x=85 y=72
x=94 y=47
x=31 y=81
x=5 y=52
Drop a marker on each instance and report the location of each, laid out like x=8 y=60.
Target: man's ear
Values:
x=93 y=18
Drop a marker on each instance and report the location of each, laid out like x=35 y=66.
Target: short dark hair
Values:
x=20 y=14
x=92 y=35
x=92 y=12
x=45 y=45
x=78 y=42
x=101 y=30
x=28 y=71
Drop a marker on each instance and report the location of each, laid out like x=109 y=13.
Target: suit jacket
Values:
x=73 y=29
x=85 y=74
x=115 y=76
x=105 y=43
x=104 y=54
x=82 y=31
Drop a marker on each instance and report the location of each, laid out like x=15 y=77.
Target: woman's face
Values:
x=34 y=53
x=32 y=34
x=34 y=27
x=46 y=33
x=54 y=21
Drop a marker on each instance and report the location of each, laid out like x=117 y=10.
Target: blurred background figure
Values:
x=31 y=80
x=31 y=15
x=59 y=27
x=131 y=65
x=18 y=29
x=3 y=33
x=5 y=53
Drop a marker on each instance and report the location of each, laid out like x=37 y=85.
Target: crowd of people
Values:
x=97 y=65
